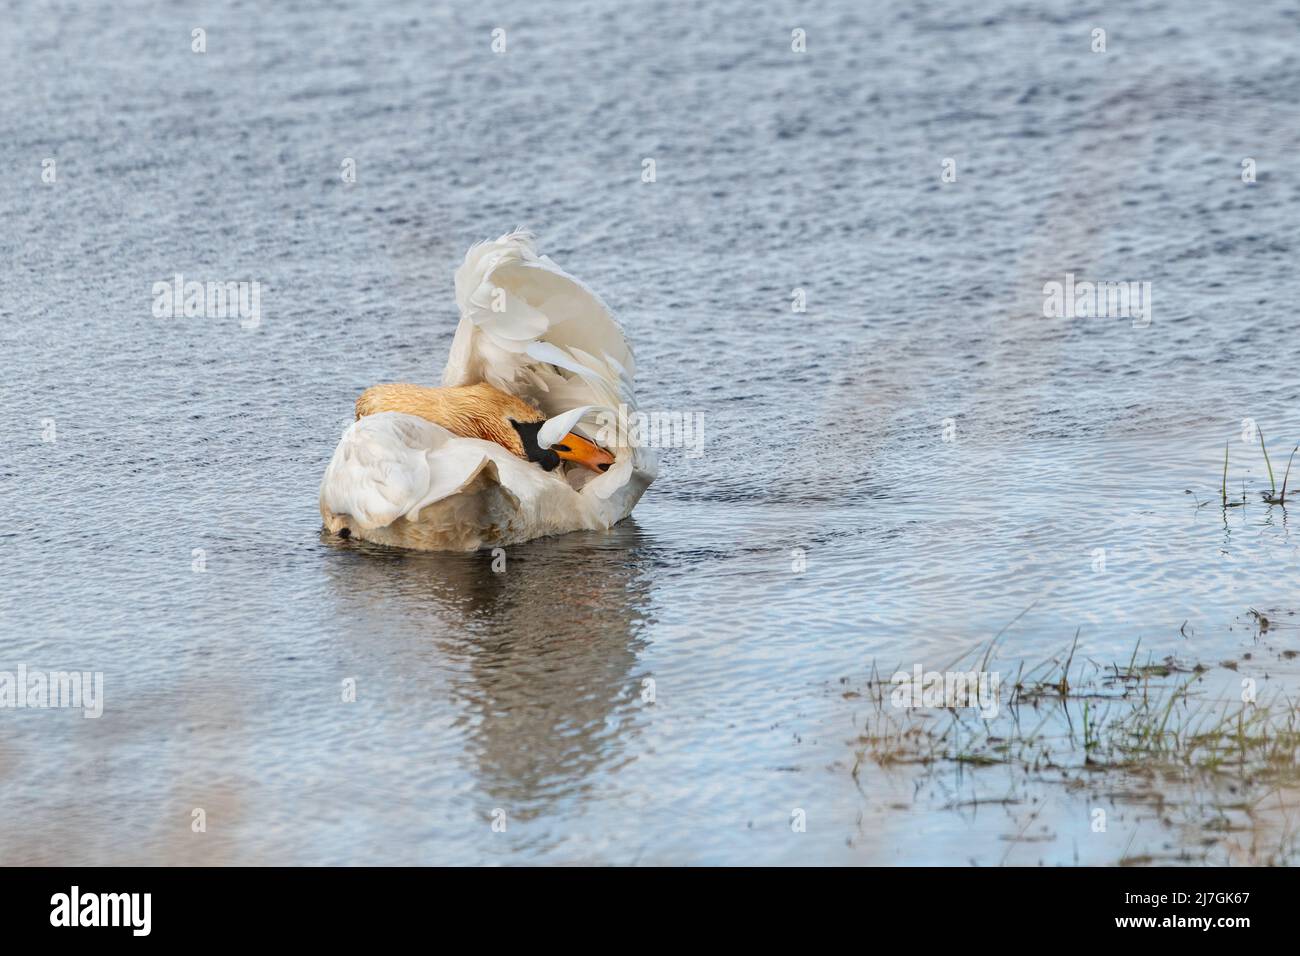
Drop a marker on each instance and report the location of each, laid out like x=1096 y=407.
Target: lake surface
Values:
x=892 y=476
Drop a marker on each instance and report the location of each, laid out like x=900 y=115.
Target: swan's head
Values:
x=486 y=412
x=568 y=447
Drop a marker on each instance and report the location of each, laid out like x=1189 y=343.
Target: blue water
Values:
x=825 y=429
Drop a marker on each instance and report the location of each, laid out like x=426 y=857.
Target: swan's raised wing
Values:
x=531 y=329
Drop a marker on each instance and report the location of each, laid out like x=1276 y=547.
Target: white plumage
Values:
x=531 y=330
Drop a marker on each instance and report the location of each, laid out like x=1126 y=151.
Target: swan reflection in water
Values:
x=539 y=660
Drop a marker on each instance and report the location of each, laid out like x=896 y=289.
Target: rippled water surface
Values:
x=825 y=430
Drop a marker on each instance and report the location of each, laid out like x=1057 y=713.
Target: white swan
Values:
x=498 y=455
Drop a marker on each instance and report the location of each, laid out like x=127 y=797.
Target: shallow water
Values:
x=825 y=430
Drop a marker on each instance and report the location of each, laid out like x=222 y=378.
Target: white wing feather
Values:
x=531 y=329
x=388 y=466
x=553 y=429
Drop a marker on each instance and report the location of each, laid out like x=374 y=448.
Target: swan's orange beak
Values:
x=575 y=448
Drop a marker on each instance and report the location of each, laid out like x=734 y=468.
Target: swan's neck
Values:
x=470 y=411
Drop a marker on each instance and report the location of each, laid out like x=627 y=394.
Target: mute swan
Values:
x=495 y=456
